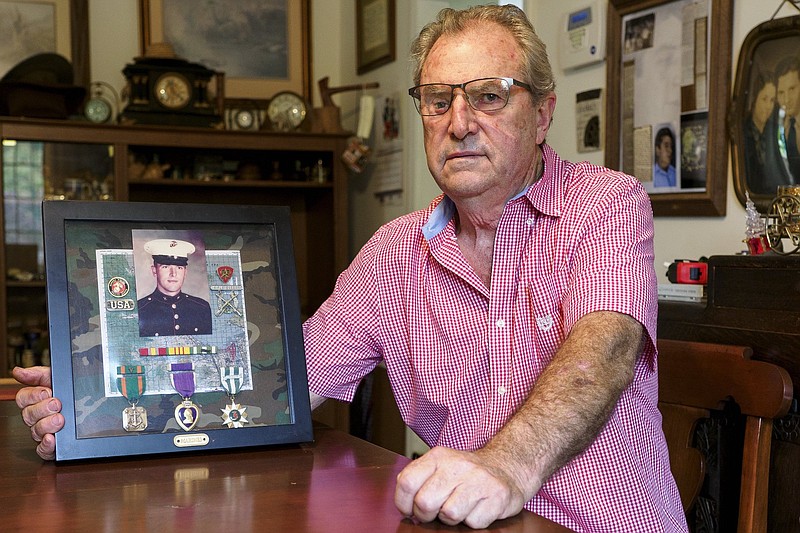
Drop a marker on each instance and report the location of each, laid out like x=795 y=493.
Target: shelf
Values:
x=254 y=184
x=116 y=158
x=37 y=284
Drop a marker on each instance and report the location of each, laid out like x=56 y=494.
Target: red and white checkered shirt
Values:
x=462 y=358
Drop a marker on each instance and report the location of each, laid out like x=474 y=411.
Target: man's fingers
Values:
x=35 y=376
x=40 y=411
x=409 y=481
x=47 y=448
x=454 y=487
x=47 y=426
x=30 y=396
x=34 y=413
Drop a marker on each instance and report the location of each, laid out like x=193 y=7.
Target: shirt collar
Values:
x=546 y=195
x=439 y=218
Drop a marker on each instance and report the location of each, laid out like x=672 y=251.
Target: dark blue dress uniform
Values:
x=182 y=314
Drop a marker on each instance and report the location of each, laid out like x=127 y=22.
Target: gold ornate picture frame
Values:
x=759 y=115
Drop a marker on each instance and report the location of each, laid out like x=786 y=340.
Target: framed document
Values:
x=667 y=78
x=173 y=328
x=375 y=34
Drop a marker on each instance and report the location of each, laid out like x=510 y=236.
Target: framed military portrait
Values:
x=173 y=328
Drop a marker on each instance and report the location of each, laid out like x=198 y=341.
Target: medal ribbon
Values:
x=232 y=378
x=183 y=378
x=131 y=384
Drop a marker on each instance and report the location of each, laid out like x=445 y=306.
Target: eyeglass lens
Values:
x=488 y=94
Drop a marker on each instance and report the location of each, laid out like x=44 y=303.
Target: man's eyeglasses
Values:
x=483 y=94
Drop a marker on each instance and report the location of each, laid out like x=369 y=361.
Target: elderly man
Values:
x=515 y=315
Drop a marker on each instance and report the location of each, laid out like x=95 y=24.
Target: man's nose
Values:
x=461 y=114
x=464 y=101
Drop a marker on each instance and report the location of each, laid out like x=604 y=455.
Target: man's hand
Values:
x=456 y=486
x=40 y=411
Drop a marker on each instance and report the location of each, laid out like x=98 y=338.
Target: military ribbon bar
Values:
x=177 y=350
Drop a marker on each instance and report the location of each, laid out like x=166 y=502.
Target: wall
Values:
x=676 y=237
x=333 y=51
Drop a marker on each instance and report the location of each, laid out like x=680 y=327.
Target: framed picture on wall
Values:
x=263 y=48
x=30 y=27
x=668 y=60
x=375 y=34
x=763 y=129
x=172 y=333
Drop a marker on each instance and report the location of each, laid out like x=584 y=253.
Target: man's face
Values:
x=169 y=278
x=664 y=152
x=789 y=92
x=474 y=154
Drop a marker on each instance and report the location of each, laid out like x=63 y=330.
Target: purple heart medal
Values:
x=131 y=385
x=186 y=413
x=233 y=415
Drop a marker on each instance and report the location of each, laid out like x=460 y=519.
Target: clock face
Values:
x=245 y=119
x=172 y=90
x=97 y=110
x=286 y=111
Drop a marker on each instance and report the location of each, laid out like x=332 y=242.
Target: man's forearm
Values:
x=570 y=402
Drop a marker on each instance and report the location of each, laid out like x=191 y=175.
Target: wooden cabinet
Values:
x=752 y=301
x=64 y=159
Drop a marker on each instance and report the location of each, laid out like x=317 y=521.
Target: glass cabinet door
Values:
x=34 y=171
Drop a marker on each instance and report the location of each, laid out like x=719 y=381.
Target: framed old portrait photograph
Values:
x=667 y=62
x=173 y=328
x=766 y=103
x=262 y=46
x=375 y=34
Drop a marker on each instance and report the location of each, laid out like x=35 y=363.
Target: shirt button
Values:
x=176 y=316
x=501 y=390
x=177 y=326
x=500 y=323
x=174 y=306
x=531 y=221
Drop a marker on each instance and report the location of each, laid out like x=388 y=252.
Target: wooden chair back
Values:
x=697 y=377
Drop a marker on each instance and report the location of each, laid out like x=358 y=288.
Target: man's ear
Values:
x=544 y=116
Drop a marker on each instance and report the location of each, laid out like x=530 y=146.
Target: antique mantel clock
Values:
x=173 y=91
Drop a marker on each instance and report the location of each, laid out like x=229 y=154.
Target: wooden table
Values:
x=338 y=483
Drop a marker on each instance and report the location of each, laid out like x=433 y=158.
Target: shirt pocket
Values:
x=545 y=314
